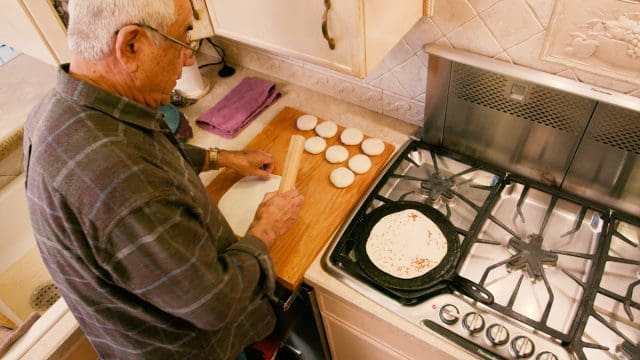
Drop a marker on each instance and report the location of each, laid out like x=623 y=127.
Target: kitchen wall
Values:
x=23 y=81
x=509 y=30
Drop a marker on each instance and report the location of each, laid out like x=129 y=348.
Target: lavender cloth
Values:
x=8 y=337
x=239 y=107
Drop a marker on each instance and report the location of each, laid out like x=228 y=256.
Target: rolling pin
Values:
x=291 y=164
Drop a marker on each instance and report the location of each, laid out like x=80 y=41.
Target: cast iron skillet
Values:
x=443 y=272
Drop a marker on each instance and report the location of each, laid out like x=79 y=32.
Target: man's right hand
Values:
x=275 y=215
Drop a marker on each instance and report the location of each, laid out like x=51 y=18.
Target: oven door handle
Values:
x=468 y=345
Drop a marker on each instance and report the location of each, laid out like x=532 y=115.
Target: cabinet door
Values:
x=33 y=27
x=294 y=27
x=349 y=343
x=201 y=22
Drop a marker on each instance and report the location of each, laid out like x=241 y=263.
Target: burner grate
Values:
x=532 y=226
x=429 y=175
x=616 y=334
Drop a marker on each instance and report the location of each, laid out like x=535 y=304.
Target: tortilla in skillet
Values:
x=406 y=244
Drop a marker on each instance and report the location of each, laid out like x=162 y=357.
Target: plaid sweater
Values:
x=143 y=258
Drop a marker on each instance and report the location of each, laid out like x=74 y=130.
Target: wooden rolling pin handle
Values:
x=291 y=164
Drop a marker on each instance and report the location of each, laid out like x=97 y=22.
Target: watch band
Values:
x=213 y=158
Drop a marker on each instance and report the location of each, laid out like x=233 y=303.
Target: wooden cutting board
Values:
x=325 y=206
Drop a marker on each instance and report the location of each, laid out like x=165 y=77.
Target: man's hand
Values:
x=275 y=215
x=251 y=162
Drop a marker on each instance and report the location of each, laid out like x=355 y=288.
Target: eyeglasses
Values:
x=194 y=46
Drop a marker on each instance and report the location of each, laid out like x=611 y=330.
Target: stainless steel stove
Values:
x=545 y=200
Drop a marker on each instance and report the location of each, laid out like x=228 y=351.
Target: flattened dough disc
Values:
x=240 y=202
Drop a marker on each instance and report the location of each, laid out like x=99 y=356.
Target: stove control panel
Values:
x=485 y=333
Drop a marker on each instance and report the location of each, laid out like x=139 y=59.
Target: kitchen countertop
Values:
x=325 y=107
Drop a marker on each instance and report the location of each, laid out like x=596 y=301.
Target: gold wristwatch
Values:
x=213 y=158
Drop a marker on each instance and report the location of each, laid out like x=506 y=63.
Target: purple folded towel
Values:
x=239 y=107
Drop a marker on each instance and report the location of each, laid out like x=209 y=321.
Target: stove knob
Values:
x=497 y=334
x=545 y=355
x=522 y=347
x=473 y=322
x=449 y=314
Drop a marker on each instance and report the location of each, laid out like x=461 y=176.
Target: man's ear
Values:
x=128 y=46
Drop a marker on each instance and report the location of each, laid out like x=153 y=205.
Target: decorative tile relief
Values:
x=511 y=22
x=474 y=36
x=598 y=36
x=359 y=94
x=449 y=15
x=402 y=108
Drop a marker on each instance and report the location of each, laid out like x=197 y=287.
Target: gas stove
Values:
x=551 y=240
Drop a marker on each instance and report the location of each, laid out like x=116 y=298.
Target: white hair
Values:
x=93 y=23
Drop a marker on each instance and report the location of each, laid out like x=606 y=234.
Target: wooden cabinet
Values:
x=34 y=28
x=362 y=31
x=347 y=342
x=353 y=333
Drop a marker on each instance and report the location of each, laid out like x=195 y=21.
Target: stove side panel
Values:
x=606 y=168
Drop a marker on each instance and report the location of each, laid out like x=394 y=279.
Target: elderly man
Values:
x=146 y=263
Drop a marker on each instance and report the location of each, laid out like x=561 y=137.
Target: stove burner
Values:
x=439 y=188
x=530 y=255
x=629 y=351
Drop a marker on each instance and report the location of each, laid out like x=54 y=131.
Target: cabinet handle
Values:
x=325 y=28
x=196 y=16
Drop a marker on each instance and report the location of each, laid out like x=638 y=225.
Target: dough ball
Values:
x=351 y=136
x=306 y=122
x=315 y=145
x=360 y=164
x=327 y=129
x=372 y=146
x=336 y=154
x=342 y=177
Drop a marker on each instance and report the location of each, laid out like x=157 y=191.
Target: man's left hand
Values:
x=248 y=162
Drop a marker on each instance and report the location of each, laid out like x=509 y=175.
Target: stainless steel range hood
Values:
x=574 y=136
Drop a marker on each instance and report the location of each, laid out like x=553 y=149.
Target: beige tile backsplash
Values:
x=508 y=30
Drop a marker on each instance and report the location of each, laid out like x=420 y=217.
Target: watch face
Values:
x=213 y=158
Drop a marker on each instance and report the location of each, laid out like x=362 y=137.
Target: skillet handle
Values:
x=471 y=289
